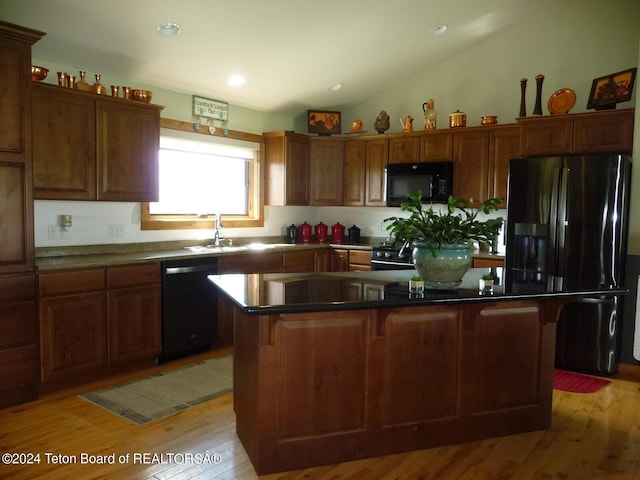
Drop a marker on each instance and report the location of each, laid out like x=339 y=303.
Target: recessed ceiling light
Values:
x=236 y=80
x=440 y=29
x=169 y=29
x=334 y=87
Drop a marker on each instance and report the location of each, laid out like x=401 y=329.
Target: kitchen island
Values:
x=333 y=367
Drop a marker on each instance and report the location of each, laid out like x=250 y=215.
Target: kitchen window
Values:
x=201 y=176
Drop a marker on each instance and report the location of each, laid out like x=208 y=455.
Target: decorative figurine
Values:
x=356 y=126
x=537 y=109
x=382 y=122
x=430 y=115
x=523 y=89
x=407 y=125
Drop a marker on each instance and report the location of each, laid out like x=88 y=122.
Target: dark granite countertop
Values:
x=312 y=292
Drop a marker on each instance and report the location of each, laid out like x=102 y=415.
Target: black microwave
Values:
x=435 y=179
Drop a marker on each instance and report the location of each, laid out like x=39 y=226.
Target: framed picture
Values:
x=323 y=123
x=611 y=89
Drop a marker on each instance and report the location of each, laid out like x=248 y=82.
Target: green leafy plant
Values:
x=416 y=278
x=487 y=276
x=457 y=224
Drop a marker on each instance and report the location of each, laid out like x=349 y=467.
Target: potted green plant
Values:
x=485 y=284
x=446 y=235
x=416 y=284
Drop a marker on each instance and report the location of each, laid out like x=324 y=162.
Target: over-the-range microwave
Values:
x=435 y=179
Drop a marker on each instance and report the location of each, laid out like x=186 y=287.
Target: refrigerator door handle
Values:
x=561 y=226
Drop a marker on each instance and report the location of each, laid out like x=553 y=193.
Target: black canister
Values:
x=354 y=235
x=292 y=234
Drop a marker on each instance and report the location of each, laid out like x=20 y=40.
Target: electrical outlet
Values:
x=116 y=230
x=52 y=232
x=64 y=234
x=379 y=227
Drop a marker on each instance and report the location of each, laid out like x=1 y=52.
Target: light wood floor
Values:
x=593 y=436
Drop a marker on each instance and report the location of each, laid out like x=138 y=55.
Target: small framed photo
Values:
x=323 y=122
x=611 y=89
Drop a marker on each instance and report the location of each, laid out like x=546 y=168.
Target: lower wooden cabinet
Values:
x=19 y=376
x=97 y=318
x=346 y=260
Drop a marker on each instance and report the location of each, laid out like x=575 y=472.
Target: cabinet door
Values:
x=355 y=166
x=128 y=140
x=546 y=136
x=471 y=166
x=64 y=149
x=404 y=149
x=15 y=61
x=339 y=260
x=603 y=133
x=505 y=145
x=297 y=172
x=16 y=207
x=73 y=334
x=134 y=318
x=436 y=147
x=325 y=171
x=377 y=155
x=298 y=261
x=359 y=260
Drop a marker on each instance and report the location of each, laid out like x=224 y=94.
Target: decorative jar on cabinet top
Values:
x=304 y=231
x=321 y=232
x=337 y=233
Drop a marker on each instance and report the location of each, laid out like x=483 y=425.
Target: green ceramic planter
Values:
x=446 y=269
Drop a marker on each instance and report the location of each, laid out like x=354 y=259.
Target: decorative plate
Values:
x=561 y=101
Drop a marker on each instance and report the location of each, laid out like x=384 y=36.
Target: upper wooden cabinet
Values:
x=405 y=149
x=354 y=172
x=326 y=158
x=376 y=161
x=583 y=133
x=471 y=165
x=93 y=147
x=504 y=144
x=286 y=168
x=436 y=146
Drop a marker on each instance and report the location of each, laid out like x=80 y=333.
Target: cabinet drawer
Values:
x=21 y=287
x=132 y=276
x=62 y=283
x=18 y=324
x=361 y=257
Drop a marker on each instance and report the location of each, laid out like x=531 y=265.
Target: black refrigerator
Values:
x=566 y=229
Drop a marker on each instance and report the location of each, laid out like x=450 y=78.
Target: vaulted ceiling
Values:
x=289 y=51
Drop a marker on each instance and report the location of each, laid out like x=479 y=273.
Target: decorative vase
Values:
x=430 y=115
x=537 y=109
x=98 y=87
x=523 y=105
x=82 y=84
x=382 y=122
x=446 y=269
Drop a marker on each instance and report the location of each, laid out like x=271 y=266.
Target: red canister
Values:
x=337 y=233
x=321 y=233
x=304 y=231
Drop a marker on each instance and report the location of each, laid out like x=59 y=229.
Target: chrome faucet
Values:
x=217 y=237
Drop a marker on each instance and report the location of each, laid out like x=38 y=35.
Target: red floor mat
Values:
x=576 y=382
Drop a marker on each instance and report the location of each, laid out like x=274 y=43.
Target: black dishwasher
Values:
x=189 y=307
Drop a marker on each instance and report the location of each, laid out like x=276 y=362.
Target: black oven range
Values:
x=391 y=256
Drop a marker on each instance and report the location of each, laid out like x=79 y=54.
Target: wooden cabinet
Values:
x=471 y=166
x=404 y=149
x=364 y=164
x=504 y=144
x=286 y=168
x=259 y=262
x=487 y=263
x=436 y=146
x=92 y=319
x=355 y=172
x=326 y=157
x=134 y=312
x=376 y=161
x=582 y=133
x=18 y=335
x=73 y=323
x=91 y=147
x=300 y=261
x=339 y=260
x=359 y=260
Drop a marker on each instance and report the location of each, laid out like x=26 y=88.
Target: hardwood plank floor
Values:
x=593 y=436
